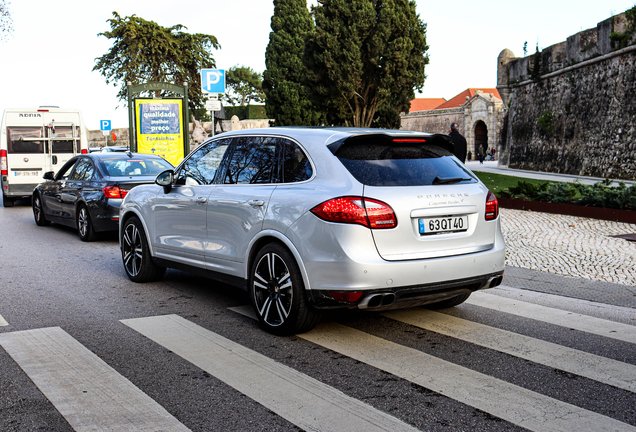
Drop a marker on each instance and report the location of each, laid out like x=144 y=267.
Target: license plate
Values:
x=26 y=173
x=443 y=224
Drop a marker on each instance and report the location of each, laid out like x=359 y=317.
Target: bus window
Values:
x=17 y=140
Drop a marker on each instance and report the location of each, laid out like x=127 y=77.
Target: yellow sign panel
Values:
x=159 y=128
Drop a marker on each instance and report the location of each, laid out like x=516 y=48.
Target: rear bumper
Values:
x=402 y=297
x=17 y=190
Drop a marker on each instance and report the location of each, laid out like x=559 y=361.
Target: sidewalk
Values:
x=566 y=255
x=491 y=167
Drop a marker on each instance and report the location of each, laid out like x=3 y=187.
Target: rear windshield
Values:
x=413 y=164
x=25 y=140
x=133 y=167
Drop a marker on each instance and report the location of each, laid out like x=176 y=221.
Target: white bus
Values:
x=34 y=141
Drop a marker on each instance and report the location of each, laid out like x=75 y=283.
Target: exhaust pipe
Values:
x=377 y=300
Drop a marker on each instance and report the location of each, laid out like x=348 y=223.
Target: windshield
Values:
x=133 y=167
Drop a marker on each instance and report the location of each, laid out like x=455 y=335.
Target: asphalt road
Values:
x=84 y=348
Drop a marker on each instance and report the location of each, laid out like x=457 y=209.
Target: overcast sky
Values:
x=50 y=56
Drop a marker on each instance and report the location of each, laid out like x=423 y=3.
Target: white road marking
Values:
x=302 y=400
x=585 y=323
x=3 y=322
x=608 y=371
x=504 y=400
x=90 y=394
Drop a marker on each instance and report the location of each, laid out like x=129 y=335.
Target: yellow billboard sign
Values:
x=159 y=125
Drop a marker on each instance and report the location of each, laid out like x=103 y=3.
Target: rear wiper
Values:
x=448 y=180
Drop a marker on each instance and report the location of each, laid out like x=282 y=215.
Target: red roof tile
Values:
x=460 y=99
x=425 y=104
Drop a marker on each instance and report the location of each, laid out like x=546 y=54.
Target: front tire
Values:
x=278 y=294
x=38 y=211
x=136 y=253
x=85 y=225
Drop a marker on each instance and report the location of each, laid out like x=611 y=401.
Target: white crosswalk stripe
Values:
x=302 y=400
x=608 y=371
x=588 y=324
x=85 y=390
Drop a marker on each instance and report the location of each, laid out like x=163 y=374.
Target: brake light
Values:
x=114 y=192
x=346 y=296
x=492 y=206
x=357 y=210
x=3 y=163
x=84 y=151
x=409 y=140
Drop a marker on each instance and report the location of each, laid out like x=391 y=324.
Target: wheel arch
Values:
x=271 y=236
x=123 y=218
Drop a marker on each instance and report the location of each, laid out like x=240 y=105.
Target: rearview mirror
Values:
x=165 y=179
x=49 y=175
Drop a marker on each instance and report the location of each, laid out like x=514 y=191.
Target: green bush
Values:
x=254 y=112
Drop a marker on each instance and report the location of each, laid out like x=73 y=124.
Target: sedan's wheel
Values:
x=136 y=253
x=278 y=293
x=38 y=211
x=85 y=225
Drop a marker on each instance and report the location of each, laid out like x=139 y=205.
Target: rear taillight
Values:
x=114 y=192
x=3 y=162
x=492 y=206
x=84 y=151
x=357 y=210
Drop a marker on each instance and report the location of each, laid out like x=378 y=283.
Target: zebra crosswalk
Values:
x=91 y=395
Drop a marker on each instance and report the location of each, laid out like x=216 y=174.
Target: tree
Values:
x=365 y=56
x=6 y=21
x=144 y=51
x=245 y=85
x=287 y=101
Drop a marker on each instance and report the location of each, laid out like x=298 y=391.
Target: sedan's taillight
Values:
x=114 y=192
x=492 y=206
x=357 y=210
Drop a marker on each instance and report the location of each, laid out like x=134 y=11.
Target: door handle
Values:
x=201 y=200
x=256 y=203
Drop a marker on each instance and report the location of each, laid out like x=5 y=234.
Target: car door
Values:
x=180 y=215
x=71 y=191
x=237 y=206
x=51 y=191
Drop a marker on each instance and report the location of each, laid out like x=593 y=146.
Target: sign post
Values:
x=213 y=83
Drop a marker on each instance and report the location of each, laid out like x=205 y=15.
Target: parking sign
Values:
x=213 y=80
x=104 y=125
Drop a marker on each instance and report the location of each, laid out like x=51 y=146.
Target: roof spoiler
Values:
x=439 y=140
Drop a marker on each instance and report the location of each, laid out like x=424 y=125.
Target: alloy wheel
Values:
x=83 y=221
x=132 y=248
x=273 y=289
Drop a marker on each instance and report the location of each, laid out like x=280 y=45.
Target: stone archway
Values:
x=481 y=136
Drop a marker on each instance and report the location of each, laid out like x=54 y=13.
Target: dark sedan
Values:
x=87 y=191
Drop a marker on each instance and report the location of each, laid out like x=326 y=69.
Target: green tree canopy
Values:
x=144 y=51
x=287 y=100
x=245 y=85
x=365 y=56
x=6 y=21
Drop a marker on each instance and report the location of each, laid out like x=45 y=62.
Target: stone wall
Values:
x=433 y=121
x=578 y=116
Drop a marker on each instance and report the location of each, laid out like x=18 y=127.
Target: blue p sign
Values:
x=104 y=125
x=213 y=80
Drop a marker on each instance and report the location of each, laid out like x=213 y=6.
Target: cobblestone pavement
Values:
x=570 y=246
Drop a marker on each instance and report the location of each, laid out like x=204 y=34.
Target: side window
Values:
x=296 y=166
x=84 y=170
x=252 y=162
x=65 y=172
x=201 y=167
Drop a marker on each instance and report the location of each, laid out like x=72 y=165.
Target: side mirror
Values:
x=165 y=179
x=49 y=175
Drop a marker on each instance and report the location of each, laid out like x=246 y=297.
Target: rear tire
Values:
x=453 y=301
x=38 y=211
x=278 y=293
x=136 y=253
x=85 y=225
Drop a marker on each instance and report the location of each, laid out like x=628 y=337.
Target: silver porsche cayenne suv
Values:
x=309 y=219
